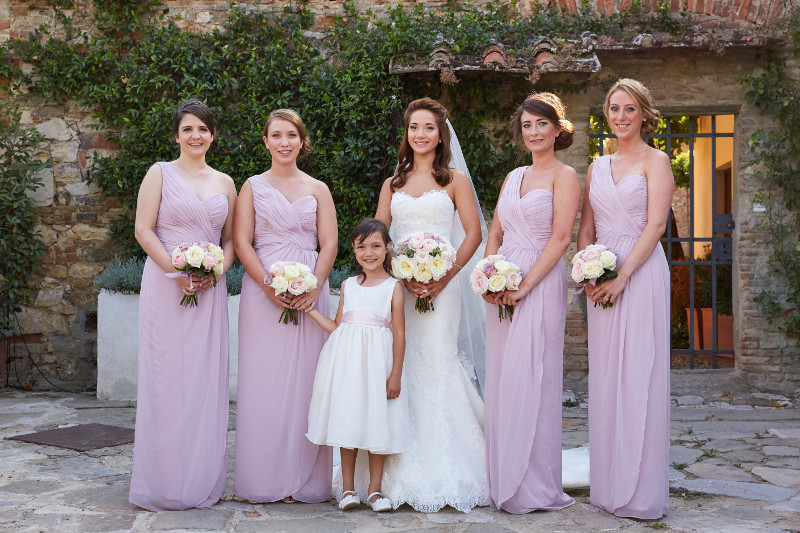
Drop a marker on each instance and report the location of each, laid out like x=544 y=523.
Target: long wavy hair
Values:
x=365 y=228
x=405 y=154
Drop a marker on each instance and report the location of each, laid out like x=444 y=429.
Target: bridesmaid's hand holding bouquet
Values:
x=294 y=278
x=197 y=259
x=595 y=264
x=422 y=257
x=494 y=275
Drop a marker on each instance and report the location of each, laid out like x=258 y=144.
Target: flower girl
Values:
x=358 y=402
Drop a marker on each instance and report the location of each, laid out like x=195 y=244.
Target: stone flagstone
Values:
x=739 y=489
x=785 y=433
x=783 y=477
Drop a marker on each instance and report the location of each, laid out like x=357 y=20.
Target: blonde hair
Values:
x=290 y=115
x=641 y=96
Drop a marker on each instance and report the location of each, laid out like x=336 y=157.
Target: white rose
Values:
x=577 y=256
x=513 y=281
x=218 y=253
x=291 y=271
x=608 y=259
x=497 y=283
x=592 y=269
x=195 y=255
x=280 y=284
x=402 y=267
x=304 y=269
x=438 y=268
x=217 y=269
x=479 y=265
x=503 y=267
x=422 y=273
x=446 y=250
x=422 y=257
x=311 y=281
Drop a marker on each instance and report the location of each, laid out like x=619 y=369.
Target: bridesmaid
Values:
x=532 y=228
x=625 y=208
x=284 y=215
x=179 y=457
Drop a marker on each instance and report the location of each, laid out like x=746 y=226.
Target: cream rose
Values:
x=495 y=258
x=608 y=259
x=194 y=256
x=422 y=273
x=422 y=257
x=592 y=269
x=304 y=269
x=497 y=283
x=402 y=267
x=311 y=281
x=280 y=284
x=438 y=268
x=503 y=267
x=291 y=271
x=218 y=253
x=218 y=269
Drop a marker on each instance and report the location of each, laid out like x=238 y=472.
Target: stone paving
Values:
x=735 y=455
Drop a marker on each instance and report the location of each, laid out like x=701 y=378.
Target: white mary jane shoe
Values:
x=349 y=500
x=381 y=504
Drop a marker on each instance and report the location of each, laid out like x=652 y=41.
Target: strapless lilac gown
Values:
x=179 y=457
x=629 y=362
x=524 y=365
x=277 y=363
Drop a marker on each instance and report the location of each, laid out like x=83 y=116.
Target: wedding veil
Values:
x=472 y=329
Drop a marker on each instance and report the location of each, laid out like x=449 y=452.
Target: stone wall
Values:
x=74 y=216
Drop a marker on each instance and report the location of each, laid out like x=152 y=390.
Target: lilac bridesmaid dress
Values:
x=179 y=457
x=277 y=363
x=629 y=362
x=524 y=365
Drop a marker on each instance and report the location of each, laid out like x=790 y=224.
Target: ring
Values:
x=605 y=299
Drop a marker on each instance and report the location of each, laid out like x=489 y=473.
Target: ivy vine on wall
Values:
x=776 y=163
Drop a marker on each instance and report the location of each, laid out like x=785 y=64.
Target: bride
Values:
x=445 y=462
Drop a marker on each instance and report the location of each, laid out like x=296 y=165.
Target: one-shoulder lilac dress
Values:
x=277 y=363
x=179 y=457
x=629 y=361
x=524 y=365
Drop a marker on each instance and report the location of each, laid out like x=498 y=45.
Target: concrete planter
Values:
x=117 y=344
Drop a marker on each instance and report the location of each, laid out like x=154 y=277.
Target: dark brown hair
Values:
x=365 y=228
x=292 y=116
x=200 y=110
x=550 y=107
x=641 y=95
x=405 y=155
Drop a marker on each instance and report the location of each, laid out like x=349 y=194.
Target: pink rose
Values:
x=590 y=254
x=495 y=258
x=179 y=260
x=429 y=245
x=276 y=269
x=513 y=280
x=415 y=242
x=422 y=256
x=297 y=286
x=209 y=260
x=478 y=282
x=577 y=271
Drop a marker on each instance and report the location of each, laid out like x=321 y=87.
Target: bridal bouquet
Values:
x=197 y=259
x=423 y=257
x=290 y=276
x=495 y=274
x=595 y=263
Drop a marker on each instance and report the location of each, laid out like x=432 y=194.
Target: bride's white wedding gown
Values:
x=445 y=463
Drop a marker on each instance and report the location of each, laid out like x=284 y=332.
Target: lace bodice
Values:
x=432 y=212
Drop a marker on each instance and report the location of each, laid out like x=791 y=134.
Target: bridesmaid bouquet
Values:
x=292 y=277
x=198 y=259
x=495 y=274
x=597 y=263
x=423 y=257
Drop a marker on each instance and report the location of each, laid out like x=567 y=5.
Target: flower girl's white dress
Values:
x=349 y=407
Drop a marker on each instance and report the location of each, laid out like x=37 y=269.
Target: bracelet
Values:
x=457 y=265
x=267 y=280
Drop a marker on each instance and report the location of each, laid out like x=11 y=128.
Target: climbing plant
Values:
x=776 y=164
x=20 y=243
x=130 y=66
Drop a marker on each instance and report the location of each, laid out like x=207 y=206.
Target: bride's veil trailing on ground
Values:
x=472 y=329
